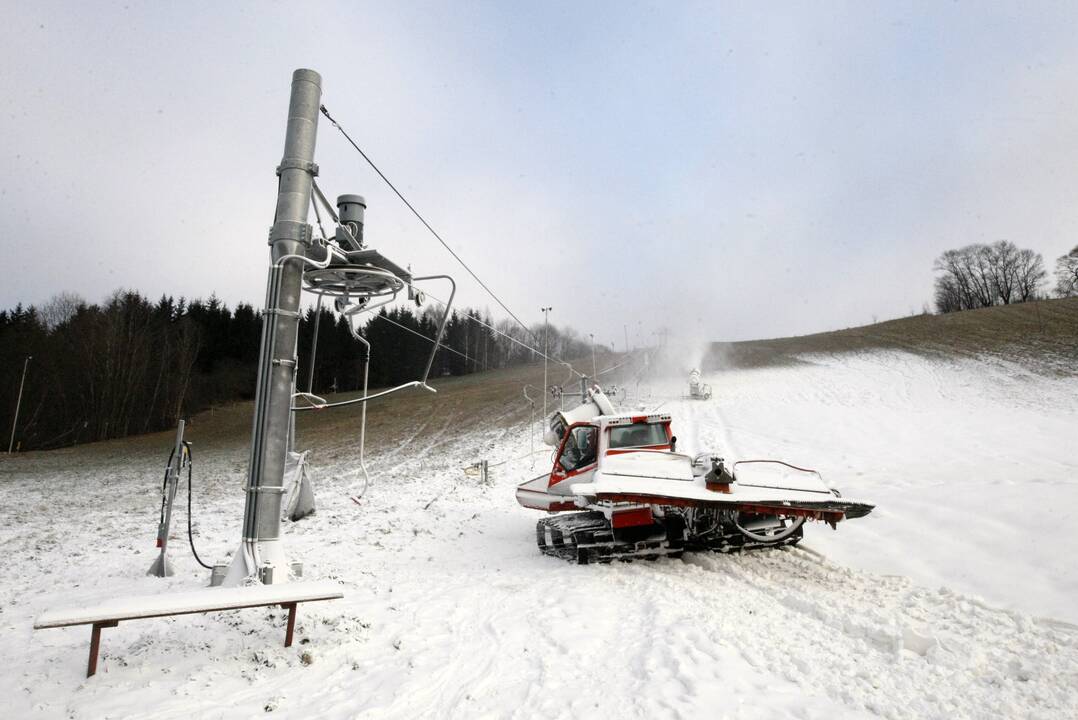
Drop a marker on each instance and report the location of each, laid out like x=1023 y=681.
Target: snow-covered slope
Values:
x=450 y=611
x=973 y=465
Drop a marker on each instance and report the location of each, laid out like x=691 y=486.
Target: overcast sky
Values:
x=732 y=170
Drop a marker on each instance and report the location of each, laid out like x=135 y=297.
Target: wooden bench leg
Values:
x=95 y=645
x=291 y=623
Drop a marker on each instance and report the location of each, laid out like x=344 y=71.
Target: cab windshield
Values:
x=638 y=435
x=580 y=448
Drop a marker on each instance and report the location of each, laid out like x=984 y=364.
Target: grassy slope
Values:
x=491 y=399
x=1042 y=335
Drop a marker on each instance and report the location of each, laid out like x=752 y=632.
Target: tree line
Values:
x=1001 y=273
x=129 y=365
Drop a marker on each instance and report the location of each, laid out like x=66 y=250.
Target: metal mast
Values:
x=546 y=353
x=18 y=404
x=261 y=552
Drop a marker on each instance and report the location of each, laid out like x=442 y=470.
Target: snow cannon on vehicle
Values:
x=594 y=404
x=698 y=390
x=630 y=494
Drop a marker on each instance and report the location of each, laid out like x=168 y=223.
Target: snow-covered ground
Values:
x=973 y=466
x=949 y=601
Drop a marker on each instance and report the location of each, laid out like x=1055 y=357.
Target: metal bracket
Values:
x=286 y=363
x=290 y=230
x=297 y=164
x=278 y=311
x=279 y=489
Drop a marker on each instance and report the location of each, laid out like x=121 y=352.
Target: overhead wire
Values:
x=496 y=331
x=423 y=220
x=391 y=321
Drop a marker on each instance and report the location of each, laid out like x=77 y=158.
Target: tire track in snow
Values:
x=880 y=644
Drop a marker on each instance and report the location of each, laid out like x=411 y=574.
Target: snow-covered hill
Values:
x=949 y=601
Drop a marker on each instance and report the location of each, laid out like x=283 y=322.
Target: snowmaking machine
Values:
x=625 y=492
x=594 y=403
x=698 y=390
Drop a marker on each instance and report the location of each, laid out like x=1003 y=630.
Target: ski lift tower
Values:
x=358 y=278
x=261 y=552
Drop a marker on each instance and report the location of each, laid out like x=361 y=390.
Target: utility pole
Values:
x=626 y=329
x=261 y=553
x=546 y=352
x=18 y=403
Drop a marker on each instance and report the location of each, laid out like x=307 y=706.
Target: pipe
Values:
x=363 y=415
x=445 y=318
x=314 y=344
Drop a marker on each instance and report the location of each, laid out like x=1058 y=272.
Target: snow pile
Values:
x=450 y=611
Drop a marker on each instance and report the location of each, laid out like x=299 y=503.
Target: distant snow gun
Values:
x=178 y=460
x=698 y=390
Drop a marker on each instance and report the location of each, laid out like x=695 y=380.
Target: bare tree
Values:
x=60 y=308
x=957 y=288
x=1029 y=274
x=979 y=275
x=1004 y=260
x=1067 y=273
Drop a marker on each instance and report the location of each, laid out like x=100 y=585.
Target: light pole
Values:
x=546 y=352
x=626 y=329
x=18 y=403
x=594 y=374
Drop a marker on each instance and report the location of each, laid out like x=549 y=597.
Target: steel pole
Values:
x=18 y=403
x=261 y=553
x=314 y=345
x=546 y=353
x=594 y=371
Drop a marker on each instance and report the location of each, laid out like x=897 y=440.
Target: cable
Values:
x=425 y=337
x=422 y=220
x=508 y=337
x=190 y=535
x=433 y=232
x=365 y=398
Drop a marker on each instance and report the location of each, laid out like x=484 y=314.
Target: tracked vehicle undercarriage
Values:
x=588 y=537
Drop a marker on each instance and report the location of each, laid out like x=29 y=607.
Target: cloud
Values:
x=729 y=172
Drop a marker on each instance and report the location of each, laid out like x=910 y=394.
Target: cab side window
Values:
x=581 y=448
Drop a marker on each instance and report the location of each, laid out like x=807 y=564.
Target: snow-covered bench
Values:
x=110 y=613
